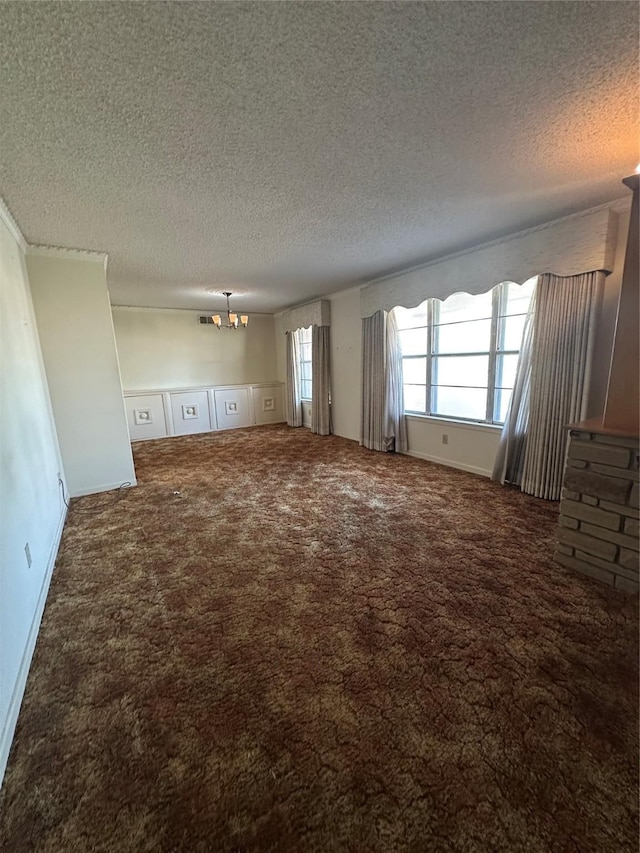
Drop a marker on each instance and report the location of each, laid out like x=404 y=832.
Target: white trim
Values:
x=104 y=487
x=144 y=392
x=622 y=205
x=617 y=205
x=17 y=695
x=208 y=310
x=570 y=246
x=316 y=313
x=449 y=463
x=350 y=289
x=68 y=254
x=7 y=217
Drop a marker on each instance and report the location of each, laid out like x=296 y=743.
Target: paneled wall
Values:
x=184 y=411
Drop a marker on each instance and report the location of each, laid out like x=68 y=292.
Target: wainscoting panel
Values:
x=184 y=411
x=232 y=408
x=190 y=412
x=267 y=404
x=146 y=417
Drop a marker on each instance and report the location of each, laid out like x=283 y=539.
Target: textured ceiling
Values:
x=286 y=150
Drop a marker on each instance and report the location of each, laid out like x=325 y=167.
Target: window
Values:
x=304 y=341
x=459 y=356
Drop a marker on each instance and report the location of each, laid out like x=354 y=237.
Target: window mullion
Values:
x=430 y=339
x=496 y=303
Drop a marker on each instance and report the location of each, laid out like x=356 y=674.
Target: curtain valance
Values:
x=313 y=314
x=576 y=244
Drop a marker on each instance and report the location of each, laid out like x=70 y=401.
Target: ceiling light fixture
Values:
x=232 y=317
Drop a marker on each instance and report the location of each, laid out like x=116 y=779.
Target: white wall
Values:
x=72 y=308
x=161 y=348
x=281 y=348
x=471 y=447
x=32 y=509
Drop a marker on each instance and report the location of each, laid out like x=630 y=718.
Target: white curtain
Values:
x=321 y=383
x=509 y=461
x=382 y=424
x=395 y=433
x=562 y=335
x=294 y=402
x=560 y=370
x=372 y=421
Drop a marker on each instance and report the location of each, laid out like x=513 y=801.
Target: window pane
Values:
x=305 y=389
x=501 y=403
x=410 y=318
x=306 y=370
x=468 y=403
x=414 y=342
x=415 y=398
x=511 y=329
x=414 y=370
x=462 y=306
x=461 y=370
x=519 y=296
x=305 y=335
x=463 y=337
x=305 y=352
x=506 y=371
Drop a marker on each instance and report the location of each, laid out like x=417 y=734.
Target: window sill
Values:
x=473 y=425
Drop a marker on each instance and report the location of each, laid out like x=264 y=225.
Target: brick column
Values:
x=598 y=533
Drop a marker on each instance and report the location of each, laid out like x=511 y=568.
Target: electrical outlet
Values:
x=445 y=438
x=27 y=553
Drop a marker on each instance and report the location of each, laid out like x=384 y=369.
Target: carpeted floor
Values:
x=282 y=642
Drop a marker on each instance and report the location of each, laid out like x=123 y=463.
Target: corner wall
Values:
x=73 y=313
x=32 y=509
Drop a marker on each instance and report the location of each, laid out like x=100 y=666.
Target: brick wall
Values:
x=598 y=533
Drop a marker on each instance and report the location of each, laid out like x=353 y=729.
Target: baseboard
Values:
x=105 y=487
x=472 y=469
x=9 y=726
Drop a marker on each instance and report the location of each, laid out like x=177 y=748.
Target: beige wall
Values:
x=160 y=348
x=607 y=323
x=346 y=345
x=76 y=334
x=31 y=505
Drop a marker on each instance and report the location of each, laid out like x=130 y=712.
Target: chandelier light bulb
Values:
x=232 y=317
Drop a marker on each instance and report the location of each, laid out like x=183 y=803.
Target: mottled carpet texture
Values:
x=283 y=642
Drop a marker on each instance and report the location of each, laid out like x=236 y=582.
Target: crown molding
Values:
x=63 y=252
x=618 y=205
x=622 y=205
x=7 y=217
x=68 y=254
x=208 y=311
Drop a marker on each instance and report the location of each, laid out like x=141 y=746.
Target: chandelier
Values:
x=232 y=318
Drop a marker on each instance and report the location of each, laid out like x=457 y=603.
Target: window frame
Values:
x=499 y=298
x=303 y=331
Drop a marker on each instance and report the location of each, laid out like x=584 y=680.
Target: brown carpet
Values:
x=313 y=647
